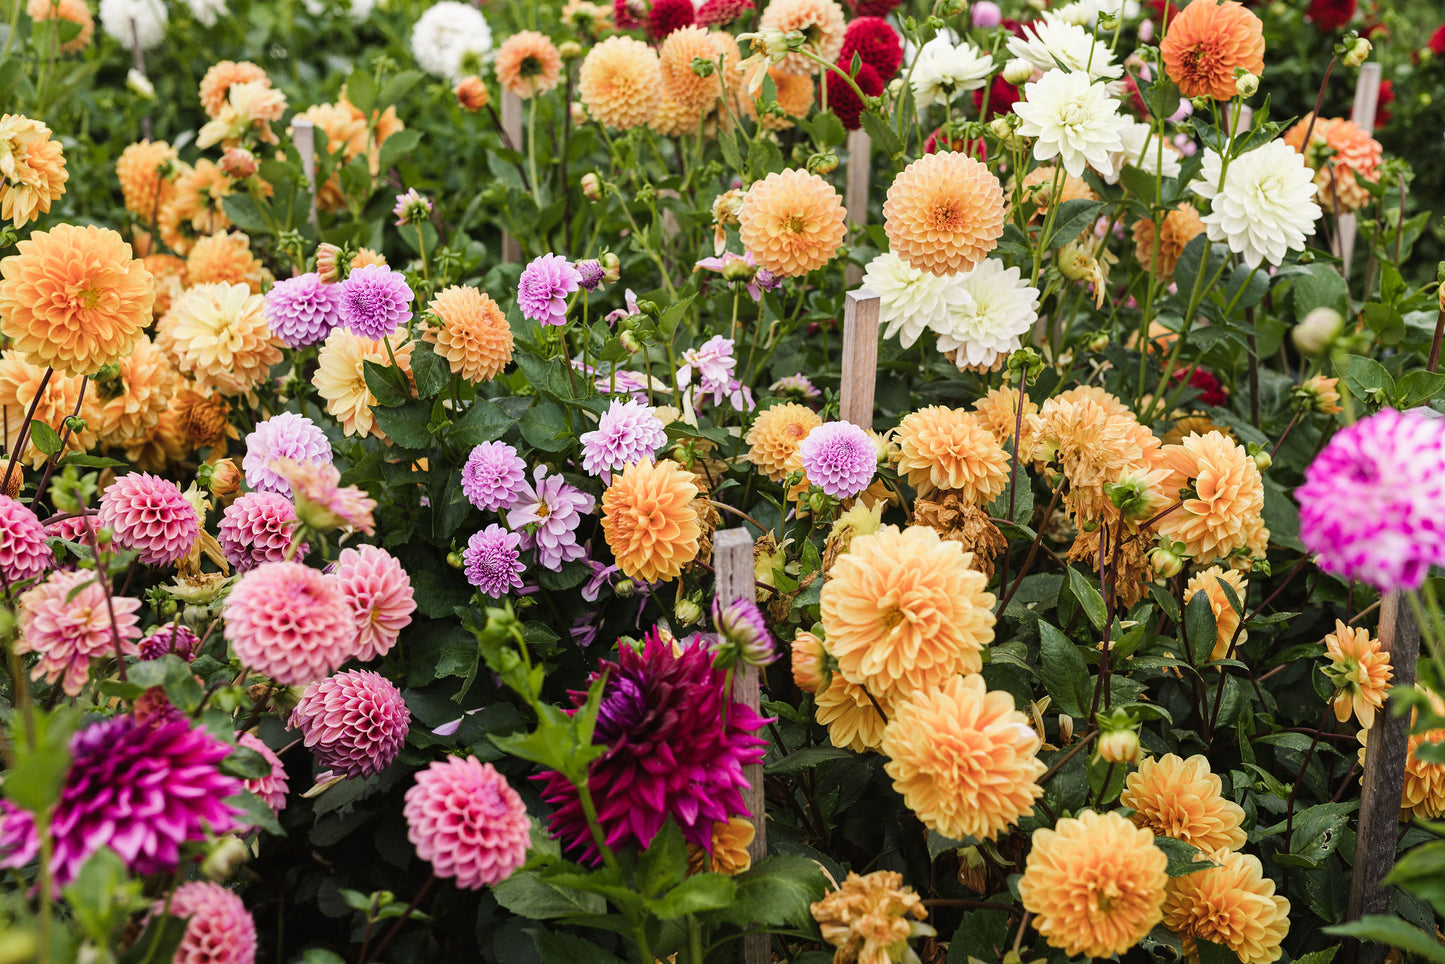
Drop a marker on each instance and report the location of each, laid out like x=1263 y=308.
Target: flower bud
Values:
x=569 y=49
x=1167 y=560
x=1262 y=460
x=1201 y=103
x=454 y=559
x=1066 y=728
x=1017 y=71
x=1076 y=262
x=624 y=589
x=986 y=14
x=1003 y=128
x=140 y=84
x=1359 y=52
x=328 y=262
x=228 y=853
x=1099 y=343
x=630 y=342
x=472 y=94
x=1109 y=22
x=225 y=480
x=1317 y=331
x=686 y=612
x=1246 y=84
x=1119 y=746
x=611 y=267
x=578 y=112
x=741 y=624
x=824 y=163
x=738 y=269
x=591 y=186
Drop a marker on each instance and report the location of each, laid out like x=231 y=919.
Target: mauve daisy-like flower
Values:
x=1264 y=208
x=302 y=311
x=289 y=622
x=65 y=621
x=949 y=448
x=1182 y=799
x=649 y=520
x=219 y=928
x=553 y=509
x=171 y=639
x=620 y=82
x=257 y=528
x=944 y=213
x=627 y=432
x=23 y=552
x=1072 y=119
x=273 y=787
x=792 y=222
x=1206 y=42
x=150 y=515
x=544 y=286
x=676 y=747
x=467 y=822
x=492 y=561
x=1228 y=495
x=283 y=436
x=354 y=723
x=379 y=593
x=839 y=458
x=375 y=301
x=1233 y=904
x=493 y=476
x=1365 y=518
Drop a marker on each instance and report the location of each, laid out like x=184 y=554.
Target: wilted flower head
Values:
x=867 y=918
x=322 y=503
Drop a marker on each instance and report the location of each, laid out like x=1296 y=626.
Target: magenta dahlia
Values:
x=169 y=639
x=290 y=622
x=258 y=527
x=219 y=928
x=375 y=301
x=273 y=787
x=354 y=723
x=669 y=15
x=843 y=100
x=467 y=822
x=66 y=621
x=379 y=592
x=23 y=552
x=150 y=515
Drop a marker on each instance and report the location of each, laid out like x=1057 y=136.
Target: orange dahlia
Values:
x=1206 y=42
x=729 y=854
x=1182 y=799
x=1096 y=442
x=795 y=94
x=963 y=758
x=226 y=258
x=944 y=213
x=671 y=119
x=902 y=611
x=819 y=21
x=216 y=84
x=775 y=436
x=949 y=448
x=1227 y=497
x=620 y=82
x=1178 y=228
x=32 y=169
x=808 y=662
x=129 y=405
x=1233 y=904
x=75 y=11
x=218 y=334
x=159 y=449
x=19 y=384
x=1424 y=794
x=472 y=333
x=1338 y=150
x=74 y=298
x=145 y=170
x=1095 y=884
x=791 y=222
x=1211 y=582
x=850 y=715
x=341 y=377
x=866 y=918
x=196 y=207
x=998 y=413
x=1360 y=670
x=649 y=522
x=679 y=82
x=528 y=64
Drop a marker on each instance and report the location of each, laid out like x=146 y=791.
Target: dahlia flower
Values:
x=1233 y=904
x=740 y=623
x=216 y=83
x=1360 y=670
x=467 y=822
x=714 y=364
x=994 y=308
x=1211 y=582
x=544 y=286
x=942 y=70
x=173 y=639
x=472 y=333
x=528 y=64
x=65 y=621
x=145 y=171
x=492 y=561
x=866 y=918
x=627 y=432
x=910 y=300
x=1179 y=227
x=375 y=302
x=493 y=476
x=1140 y=149
x=692 y=93
x=775 y=436
x=730 y=842
x=151 y=515
x=839 y=458
x=257 y=528
x=282 y=436
x=948 y=448
x=649 y=520
x=354 y=723
x=218 y=333
x=341 y=377
x=1046 y=43
x=412 y=208
x=380 y=595
x=134 y=23
x=620 y=82
x=821 y=21
x=450 y=38
x=1264 y=208
x=792 y=221
x=322 y=503
x=289 y=622
x=219 y=928
x=1227 y=499
x=1073 y=120
x=843 y=100
x=225 y=258
x=555 y=509
x=1206 y=42
x=273 y=787
x=849 y=713
x=1338 y=150
x=301 y=311
x=131 y=405
x=944 y=213
x=32 y=165
x=876 y=43
x=1181 y=799
x=23 y=552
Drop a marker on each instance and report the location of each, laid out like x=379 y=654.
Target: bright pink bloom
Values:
x=220 y=929
x=258 y=527
x=379 y=592
x=270 y=788
x=23 y=552
x=354 y=723
x=65 y=620
x=290 y=622
x=149 y=514
x=467 y=822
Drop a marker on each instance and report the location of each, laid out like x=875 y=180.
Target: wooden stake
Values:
x=1367 y=102
x=1384 y=777
x=855 y=194
x=303 y=135
x=860 y=357
x=512 y=127
x=732 y=560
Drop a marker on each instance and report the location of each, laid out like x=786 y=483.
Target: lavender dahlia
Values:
x=492 y=561
x=283 y=436
x=839 y=458
x=375 y=301
x=554 y=509
x=627 y=432
x=170 y=639
x=543 y=289
x=1372 y=506
x=493 y=476
x=302 y=310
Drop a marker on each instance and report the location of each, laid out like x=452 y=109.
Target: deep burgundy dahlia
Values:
x=669 y=15
x=873 y=8
x=1329 y=16
x=876 y=43
x=1001 y=98
x=843 y=99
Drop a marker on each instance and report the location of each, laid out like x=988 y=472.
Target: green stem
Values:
x=532 y=151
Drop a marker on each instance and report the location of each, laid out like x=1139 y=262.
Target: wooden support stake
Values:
x=1367 y=102
x=860 y=357
x=732 y=560
x=512 y=128
x=855 y=194
x=303 y=135
x=1384 y=778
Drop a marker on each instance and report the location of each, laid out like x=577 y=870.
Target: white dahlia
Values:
x=451 y=39
x=1000 y=307
x=942 y=71
x=133 y=22
x=1073 y=120
x=910 y=300
x=1141 y=150
x=1265 y=208
x=1048 y=43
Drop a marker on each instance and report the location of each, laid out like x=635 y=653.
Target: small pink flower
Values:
x=149 y=514
x=289 y=622
x=270 y=788
x=65 y=620
x=354 y=723
x=467 y=822
x=220 y=930
x=379 y=592
x=23 y=552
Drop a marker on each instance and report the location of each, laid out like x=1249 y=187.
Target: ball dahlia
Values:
x=354 y=723
x=218 y=333
x=492 y=561
x=776 y=435
x=32 y=165
x=169 y=639
x=273 y=787
x=285 y=435
x=792 y=222
x=843 y=100
x=226 y=258
x=819 y=21
x=691 y=93
x=493 y=476
x=379 y=592
x=471 y=333
x=1181 y=799
x=876 y=43
x=1206 y=42
x=375 y=302
x=467 y=822
x=627 y=432
x=150 y=515
x=839 y=458
x=289 y=622
x=1227 y=499
x=649 y=522
x=948 y=448
x=145 y=171
x=1233 y=904
x=301 y=311
x=23 y=552
x=944 y=213
x=666 y=16
x=620 y=82
x=544 y=287
x=219 y=928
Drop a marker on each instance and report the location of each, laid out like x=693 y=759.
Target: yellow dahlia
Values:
x=74 y=11
x=528 y=64
x=130 y=404
x=146 y=170
x=19 y=384
x=775 y=436
x=948 y=448
x=1183 y=799
x=851 y=717
x=944 y=213
x=1211 y=582
x=341 y=379
x=32 y=169
x=963 y=758
x=729 y=854
x=680 y=83
x=226 y=258
x=620 y=82
x=807 y=663
x=1233 y=904
x=649 y=522
x=1360 y=669
x=1228 y=495
x=218 y=334
x=1095 y=884
x=74 y=298
x=472 y=333
x=216 y=84
x=791 y=222
x=819 y=21
x=902 y=611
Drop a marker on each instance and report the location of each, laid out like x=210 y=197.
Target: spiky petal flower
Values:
x=65 y=620
x=839 y=458
x=219 y=928
x=290 y=622
x=1263 y=206
x=257 y=528
x=151 y=515
x=467 y=822
x=282 y=436
x=627 y=432
x=23 y=552
x=1182 y=799
x=354 y=723
x=1233 y=904
x=379 y=592
x=493 y=476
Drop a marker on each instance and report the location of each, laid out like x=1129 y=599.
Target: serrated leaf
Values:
x=1394 y=932
x=806 y=759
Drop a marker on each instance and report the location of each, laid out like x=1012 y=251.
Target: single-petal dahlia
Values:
x=273 y=787
x=302 y=311
x=620 y=82
x=66 y=622
x=32 y=164
x=839 y=458
x=776 y=437
x=493 y=476
x=649 y=521
x=1360 y=670
x=544 y=286
x=902 y=612
x=282 y=436
x=676 y=747
x=354 y=723
x=1227 y=496
x=375 y=301
x=792 y=222
x=150 y=515
x=492 y=561
x=866 y=918
x=1095 y=884
x=74 y=298
x=218 y=333
x=547 y=515
x=819 y=21
x=963 y=758
x=944 y=213
x=528 y=64
x=876 y=43
x=379 y=592
x=289 y=622
x=471 y=333
x=219 y=928
x=627 y=432
x=1211 y=582
x=467 y=822
x=1233 y=904
x=691 y=93
x=257 y=528
x=1206 y=42
x=949 y=448
x=1182 y=799
x=843 y=100
x=23 y=552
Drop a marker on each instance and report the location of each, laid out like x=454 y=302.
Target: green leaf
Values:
x=806 y=759
x=1318 y=957
x=44 y=438
x=407 y=425
x=981 y=934
x=361 y=90
x=1200 y=624
x=246 y=763
x=663 y=864
x=1394 y=932
x=398 y=87
x=1318 y=829
x=1368 y=380
x=560 y=947
x=1183 y=858
x=1418 y=387
x=545 y=426
x=527 y=895
x=1073 y=217
x=1422 y=872
x=430 y=370
x=398 y=146
x=1089 y=598
x=1385 y=321
x=776 y=891
x=1065 y=674
x=98 y=895
x=158 y=942
x=881 y=133
x=1319 y=286
x=245 y=213
x=483 y=422
x=1211 y=953
x=668 y=322
x=33 y=782
x=697 y=893
x=1139 y=183
x=386 y=383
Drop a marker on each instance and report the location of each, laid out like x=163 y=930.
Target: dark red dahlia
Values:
x=1211 y=392
x=873 y=8
x=935 y=143
x=1382 y=107
x=843 y=99
x=1133 y=98
x=720 y=13
x=669 y=752
x=1329 y=16
x=1159 y=6
x=667 y=16
x=1015 y=27
x=876 y=43
x=625 y=14
x=1436 y=43
x=1001 y=98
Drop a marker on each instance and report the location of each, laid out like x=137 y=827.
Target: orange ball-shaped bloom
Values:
x=1346 y=148
x=671 y=119
x=1228 y=495
x=820 y=21
x=1095 y=884
x=795 y=94
x=75 y=11
x=649 y=522
x=620 y=82
x=528 y=64
x=998 y=413
x=775 y=436
x=472 y=94
x=1179 y=227
x=226 y=258
x=19 y=385
x=74 y=299
x=1206 y=42
x=341 y=377
x=144 y=170
x=963 y=758
x=949 y=448
x=791 y=222
x=1233 y=904
x=129 y=407
x=1360 y=669
x=1211 y=582
x=902 y=611
x=472 y=333
x=944 y=213
x=679 y=83
x=221 y=77
x=218 y=334
x=32 y=169
x=1181 y=799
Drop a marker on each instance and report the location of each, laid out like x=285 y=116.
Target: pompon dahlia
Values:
x=289 y=622
x=949 y=448
x=675 y=748
x=819 y=21
x=944 y=213
x=215 y=86
x=543 y=288
x=963 y=758
x=720 y=13
x=375 y=301
x=273 y=787
x=1095 y=884
x=354 y=723
x=378 y=590
x=146 y=170
x=902 y=612
x=1233 y=904
x=627 y=432
x=1206 y=42
x=1360 y=670
x=866 y=918
x=620 y=82
x=285 y=435
x=493 y=476
x=649 y=522
x=23 y=552
x=1227 y=497
x=218 y=333
x=692 y=94
x=471 y=333
x=792 y=222
x=1329 y=16
x=492 y=561
x=65 y=621
x=876 y=43
x=32 y=165
x=665 y=17
x=1211 y=582
x=839 y=458
x=226 y=258
x=1180 y=798
x=843 y=100
x=301 y=311
x=528 y=64
x=74 y=298
x=467 y=822
x=1179 y=227
x=219 y=928
x=150 y=515
x=127 y=407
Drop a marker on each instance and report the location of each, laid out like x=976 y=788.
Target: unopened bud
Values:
x=630 y=342
x=578 y=113
x=1358 y=53
x=239 y=163
x=225 y=480
x=591 y=186
x=741 y=623
x=140 y=84
x=454 y=559
x=1066 y=728
x=1003 y=128
x=1166 y=560
x=1262 y=460
x=611 y=267
x=1076 y=262
x=1099 y=342
x=686 y=612
x=624 y=589
x=1317 y=331
x=472 y=94
x=1246 y=84
x=569 y=49
x=328 y=263
x=228 y=853
x=1119 y=746
x=1201 y=103
x=824 y=163
x=1017 y=71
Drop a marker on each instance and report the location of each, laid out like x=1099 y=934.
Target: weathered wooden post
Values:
x=860 y=357
x=303 y=135
x=1367 y=102
x=855 y=192
x=512 y=131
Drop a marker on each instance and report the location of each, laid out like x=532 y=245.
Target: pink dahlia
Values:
x=283 y=436
x=354 y=723
x=379 y=593
x=839 y=458
x=553 y=510
x=302 y=310
x=169 y=639
x=492 y=561
x=150 y=515
x=720 y=13
x=467 y=822
x=375 y=301
x=271 y=788
x=23 y=552
x=258 y=527
x=627 y=432
x=675 y=748
x=493 y=476
x=545 y=284
x=290 y=622
x=65 y=620
x=75 y=529
x=220 y=929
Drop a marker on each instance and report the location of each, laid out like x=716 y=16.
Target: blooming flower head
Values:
x=819 y=21
x=996 y=306
x=172 y=639
x=942 y=70
x=944 y=213
x=949 y=448
x=1073 y=120
x=472 y=333
x=289 y=622
x=225 y=257
x=1360 y=670
x=285 y=435
x=528 y=64
x=450 y=39
x=910 y=300
x=467 y=822
x=867 y=918
x=354 y=723
x=792 y=222
x=218 y=332
x=876 y=43
x=543 y=289
x=1095 y=884
x=649 y=520
x=257 y=528
x=1212 y=583
x=664 y=17
x=375 y=301
x=627 y=432
x=66 y=622
x=151 y=515
x=1338 y=150
x=341 y=377
x=693 y=94
x=247 y=113
x=1264 y=208
x=1233 y=904
x=1048 y=42
x=32 y=166
x=322 y=503
x=963 y=758
x=220 y=77
x=127 y=406
x=273 y=787
x=301 y=311
x=843 y=100
x=620 y=82
x=1227 y=500
x=730 y=842
x=553 y=509
x=493 y=476
x=146 y=172
x=850 y=712
x=492 y=561
x=675 y=747
x=379 y=592
x=776 y=436
x=219 y=928
x=720 y=13
x=71 y=11
x=23 y=552
x=1182 y=799
x=839 y=458
x=1204 y=44
x=1160 y=252
x=796 y=387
